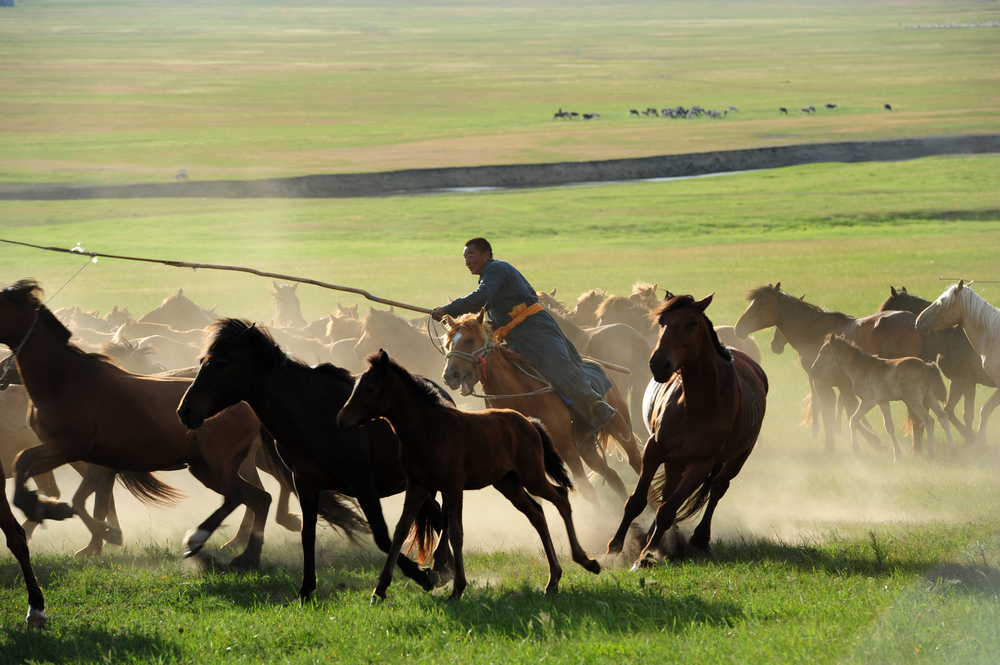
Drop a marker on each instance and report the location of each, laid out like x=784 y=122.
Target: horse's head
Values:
x=179 y=312
x=944 y=312
x=17 y=309
x=237 y=352
x=762 y=312
x=287 y=309
x=371 y=397
x=684 y=330
x=465 y=338
x=828 y=355
x=380 y=328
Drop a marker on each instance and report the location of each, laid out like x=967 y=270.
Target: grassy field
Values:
x=818 y=558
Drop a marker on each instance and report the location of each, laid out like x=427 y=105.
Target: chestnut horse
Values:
x=509 y=381
x=954 y=354
x=298 y=405
x=804 y=325
x=959 y=305
x=443 y=449
x=86 y=408
x=707 y=417
x=17 y=542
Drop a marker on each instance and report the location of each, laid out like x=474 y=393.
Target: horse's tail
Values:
x=337 y=511
x=150 y=490
x=697 y=501
x=554 y=465
x=428 y=523
x=937 y=383
x=807 y=411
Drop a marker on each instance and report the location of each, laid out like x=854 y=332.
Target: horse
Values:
x=959 y=305
x=878 y=381
x=180 y=313
x=620 y=309
x=508 y=379
x=584 y=313
x=708 y=414
x=384 y=330
x=86 y=408
x=298 y=405
x=956 y=358
x=17 y=543
x=287 y=309
x=804 y=325
x=443 y=449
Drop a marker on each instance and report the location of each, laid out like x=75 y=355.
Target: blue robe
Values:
x=537 y=338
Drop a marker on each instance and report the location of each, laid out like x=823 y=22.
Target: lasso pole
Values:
x=969 y=281
x=209 y=266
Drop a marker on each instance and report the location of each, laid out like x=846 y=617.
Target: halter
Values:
x=9 y=363
x=479 y=363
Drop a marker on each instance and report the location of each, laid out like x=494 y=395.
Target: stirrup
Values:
x=600 y=423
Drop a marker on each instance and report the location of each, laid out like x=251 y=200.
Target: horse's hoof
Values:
x=194 y=541
x=89 y=550
x=244 y=563
x=431 y=580
x=647 y=561
x=114 y=536
x=36 y=618
x=552 y=589
x=444 y=576
x=591 y=565
x=377 y=598
x=57 y=511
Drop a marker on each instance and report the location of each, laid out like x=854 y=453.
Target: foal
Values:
x=447 y=450
x=878 y=381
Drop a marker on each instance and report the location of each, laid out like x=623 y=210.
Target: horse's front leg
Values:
x=890 y=429
x=984 y=415
x=368 y=499
x=864 y=407
x=415 y=496
x=694 y=476
x=636 y=503
x=309 y=501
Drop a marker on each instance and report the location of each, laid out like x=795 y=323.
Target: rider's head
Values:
x=478 y=252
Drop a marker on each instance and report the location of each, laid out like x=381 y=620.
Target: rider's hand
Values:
x=438 y=313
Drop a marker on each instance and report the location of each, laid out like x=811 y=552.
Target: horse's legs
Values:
x=917 y=428
x=637 y=502
x=599 y=463
x=510 y=486
x=890 y=428
x=415 y=495
x=942 y=417
x=702 y=535
x=572 y=459
x=29 y=462
x=46 y=484
x=247 y=471
x=959 y=388
x=864 y=407
x=984 y=415
x=813 y=411
x=693 y=477
x=309 y=501
x=559 y=497
x=850 y=401
x=917 y=405
x=823 y=393
x=18 y=544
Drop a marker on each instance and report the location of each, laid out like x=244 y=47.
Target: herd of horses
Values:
x=340 y=411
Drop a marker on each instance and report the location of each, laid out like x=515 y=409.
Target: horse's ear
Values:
x=892 y=290
x=383 y=360
x=448 y=323
x=902 y=289
x=704 y=302
x=777 y=287
x=802 y=297
x=842 y=336
x=274 y=287
x=552 y=293
x=295 y=286
x=392 y=310
x=482 y=316
x=961 y=285
x=180 y=292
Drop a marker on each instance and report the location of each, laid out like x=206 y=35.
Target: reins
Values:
x=478 y=360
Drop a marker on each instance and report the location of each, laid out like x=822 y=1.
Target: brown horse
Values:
x=86 y=408
x=878 y=382
x=585 y=311
x=298 y=404
x=509 y=380
x=804 y=325
x=443 y=449
x=707 y=417
x=17 y=542
x=180 y=313
x=287 y=309
x=951 y=348
x=385 y=330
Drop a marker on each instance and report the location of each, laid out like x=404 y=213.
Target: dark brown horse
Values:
x=956 y=358
x=86 y=408
x=287 y=309
x=708 y=414
x=180 y=313
x=298 y=405
x=446 y=450
x=512 y=382
x=17 y=542
x=804 y=325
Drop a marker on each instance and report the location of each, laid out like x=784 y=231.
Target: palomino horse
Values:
x=956 y=358
x=804 y=325
x=707 y=418
x=17 y=542
x=879 y=382
x=959 y=305
x=443 y=449
x=86 y=408
x=298 y=404
x=508 y=380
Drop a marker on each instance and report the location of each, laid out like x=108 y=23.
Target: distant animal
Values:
x=181 y=175
x=443 y=449
x=733 y=108
x=878 y=381
x=806 y=109
x=588 y=116
x=634 y=112
x=812 y=109
x=180 y=313
x=782 y=111
x=287 y=309
x=574 y=114
x=831 y=106
x=888 y=107
x=561 y=114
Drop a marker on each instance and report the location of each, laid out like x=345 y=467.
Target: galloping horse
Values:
x=959 y=305
x=707 y=416
x=956 y=358
x=443 y=449
x=472 y=357
x=298 y=405
x=17 y=542
x=879 y=382
x=86 y=408
x=804 y=325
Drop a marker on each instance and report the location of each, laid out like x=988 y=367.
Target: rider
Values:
x=505 y=294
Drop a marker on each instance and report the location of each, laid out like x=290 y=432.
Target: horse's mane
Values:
x=429 y=391
x=397 y=322
x=617 y=301
x=593 y=293
x=801 y=304
x=510 y=354
x=849 y=346
x=984 y=317
x=266 y=351
x=680 y=302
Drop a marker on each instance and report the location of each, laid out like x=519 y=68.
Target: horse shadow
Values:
x=86 y=645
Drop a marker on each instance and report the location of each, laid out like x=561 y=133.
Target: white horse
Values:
x=961 y=306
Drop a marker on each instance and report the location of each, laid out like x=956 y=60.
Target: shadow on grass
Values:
x=84 y=645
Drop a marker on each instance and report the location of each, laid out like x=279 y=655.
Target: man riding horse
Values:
x=512 y=306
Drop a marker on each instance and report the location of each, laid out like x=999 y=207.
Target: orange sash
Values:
x=518 y=314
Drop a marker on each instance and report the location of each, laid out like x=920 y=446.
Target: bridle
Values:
x=479 y=364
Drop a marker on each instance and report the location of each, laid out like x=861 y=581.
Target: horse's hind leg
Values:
x=510 y=486
x=961 y=387
x=890 y=428
x=18 y=545
x=559 y=497
x=984 y=415
x=942 y=417
x=415 y=496
x=28 y=463
x=637 y=502
x=702 y=535
x=598 y=461
x=248 y=471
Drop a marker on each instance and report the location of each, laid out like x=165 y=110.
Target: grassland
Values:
x=818 y=558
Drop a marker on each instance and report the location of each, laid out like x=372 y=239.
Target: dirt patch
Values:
x=415 y=181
